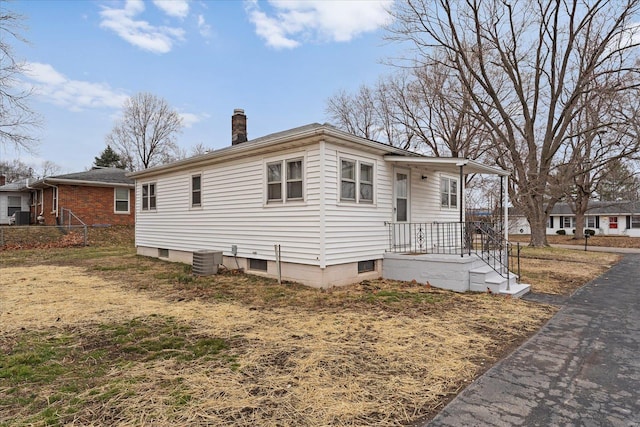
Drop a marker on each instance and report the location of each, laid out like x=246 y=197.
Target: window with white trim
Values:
x=290 y=184
x=635 y=221
x=196 y=191
x=149 y=197
x=448 y=192
x=356 y=181
x=121 y=196
x=569 y=222
x=590 y=221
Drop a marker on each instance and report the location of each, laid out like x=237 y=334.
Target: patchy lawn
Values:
x=99 y=336
x=607 y=241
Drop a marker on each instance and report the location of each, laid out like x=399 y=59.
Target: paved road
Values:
x=581 y=369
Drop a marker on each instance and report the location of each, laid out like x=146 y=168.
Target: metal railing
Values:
x=66 y=218
x=485 y=240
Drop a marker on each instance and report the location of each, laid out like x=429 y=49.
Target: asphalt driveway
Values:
x=582 y=368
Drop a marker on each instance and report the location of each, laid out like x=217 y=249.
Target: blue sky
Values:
x=278 y=60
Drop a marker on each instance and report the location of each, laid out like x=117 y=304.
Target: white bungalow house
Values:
x=340 y=208
x=606 y=218
x=13 y=198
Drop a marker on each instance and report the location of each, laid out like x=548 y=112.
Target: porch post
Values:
x=462 y=230
x=505 y=179
x=461 y=193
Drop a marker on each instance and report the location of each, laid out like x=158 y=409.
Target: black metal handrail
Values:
x=485 y=240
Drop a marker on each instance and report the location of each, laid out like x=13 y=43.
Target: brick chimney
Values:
x=238 y=127
x=3 y=180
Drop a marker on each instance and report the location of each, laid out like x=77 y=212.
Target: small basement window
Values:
x=366 y=266
x=257 y=264
x=163 y=253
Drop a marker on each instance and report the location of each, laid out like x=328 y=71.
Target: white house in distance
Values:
x=621 y=218
x=336 y=204
x=13 y=198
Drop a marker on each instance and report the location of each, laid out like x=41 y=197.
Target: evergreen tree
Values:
x=109 y=159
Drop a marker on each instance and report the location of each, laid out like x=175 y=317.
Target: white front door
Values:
x=401 y=210
x=401 y=201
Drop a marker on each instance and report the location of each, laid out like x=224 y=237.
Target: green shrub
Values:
x=589 y=232
x=561 y=232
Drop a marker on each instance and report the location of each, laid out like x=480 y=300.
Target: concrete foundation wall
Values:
x=309 y=275
x=442 y=271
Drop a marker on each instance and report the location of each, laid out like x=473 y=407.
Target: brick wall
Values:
x=93 y=205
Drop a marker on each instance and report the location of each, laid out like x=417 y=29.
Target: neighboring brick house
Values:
x=100 y=196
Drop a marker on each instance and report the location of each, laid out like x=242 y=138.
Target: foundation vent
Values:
x=205 y=263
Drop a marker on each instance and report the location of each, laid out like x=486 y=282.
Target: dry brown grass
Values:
x=607 y=241
x=562 y=271
x=120 y=334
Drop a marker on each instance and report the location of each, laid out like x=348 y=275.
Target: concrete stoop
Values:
x=485 y=279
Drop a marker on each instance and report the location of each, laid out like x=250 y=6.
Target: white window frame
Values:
x=635 y=221
x=590 y=221
x=449 y=184
x=192 y=191
x=116 y=200
x=148 y=197
x=572 y=222
x=357 y=180
x=285 y=180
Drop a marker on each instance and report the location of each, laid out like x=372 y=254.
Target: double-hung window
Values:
x=635 y=221
x=288 y=185
x=448 y=192
x=569 y=222
x=148 y=197
x=356 y=181
x=590 y=221
x=121 y=196
x=196 y=191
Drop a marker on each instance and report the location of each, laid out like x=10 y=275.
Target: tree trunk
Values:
x=538 y=231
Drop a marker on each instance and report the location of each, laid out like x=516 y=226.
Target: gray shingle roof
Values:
x=106 y=175
x=601 y=208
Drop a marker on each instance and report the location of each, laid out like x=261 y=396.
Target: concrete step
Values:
x=516 y=290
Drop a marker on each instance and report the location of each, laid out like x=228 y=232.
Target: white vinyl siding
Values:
x=234 y=212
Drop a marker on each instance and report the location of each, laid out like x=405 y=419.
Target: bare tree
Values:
x=17 y=120
x=145 y=134
x=355 y=113
x=528 y=67
x=199 y=149
x=603 y=133
x=620 y=181
x=15 y=170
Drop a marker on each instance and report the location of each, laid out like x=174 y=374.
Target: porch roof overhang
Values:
x=447 y=164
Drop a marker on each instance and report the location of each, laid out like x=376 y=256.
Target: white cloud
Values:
x=137 y=32
x=190 y=119
x=297 y=21
x=75 y=95
x=176 y=8
x=203 y=27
